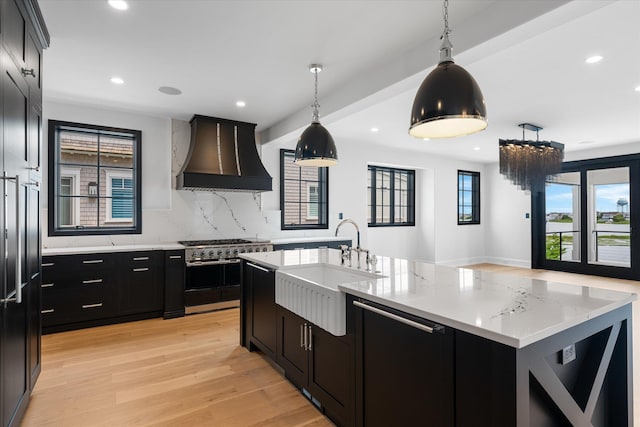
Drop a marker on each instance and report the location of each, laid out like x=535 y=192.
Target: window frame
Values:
x=109 y=175
x=323 y=197
x=475 y=197
x=53 y=161
x=411 y=197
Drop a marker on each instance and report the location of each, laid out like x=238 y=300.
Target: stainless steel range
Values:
x=210 y=251
x=213 y=272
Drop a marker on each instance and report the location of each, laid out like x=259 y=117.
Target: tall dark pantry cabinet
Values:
x=23 y=37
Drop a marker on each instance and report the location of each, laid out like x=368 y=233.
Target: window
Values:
x=303 y=194
x=391 y=195
x=94 y=175
x=468 y=197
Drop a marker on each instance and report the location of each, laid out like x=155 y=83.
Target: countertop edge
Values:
x=117 y=248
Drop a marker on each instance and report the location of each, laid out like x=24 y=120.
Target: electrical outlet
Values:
x=568 y=354
x=526 y=215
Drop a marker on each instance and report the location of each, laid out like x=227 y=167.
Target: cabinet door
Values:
x=14 y=327
x=174 y=276
x=140 y=289
x=14 y=31
x=292 y=355
x=331 y=373
x=262 y=289
x=405 y=375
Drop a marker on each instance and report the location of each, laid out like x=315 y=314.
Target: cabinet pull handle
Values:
x=141 y=258
x=175 y=256
x=141 y=269
x=47 y=285
x=395 y=317
x=92 y=305
x=258 y=267
x=93 y=261
x=309 y=339
x=28 y=72
x=47 y=311
x=88 y=282
x=302 y=336
x=18 y=262
x=48 y=264
x=34 y=168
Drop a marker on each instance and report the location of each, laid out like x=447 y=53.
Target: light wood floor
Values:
x=191 y=371
x=188 y=371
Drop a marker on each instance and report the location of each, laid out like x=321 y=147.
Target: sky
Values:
x=559 y=197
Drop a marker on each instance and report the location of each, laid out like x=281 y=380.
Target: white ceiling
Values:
x=527 y=56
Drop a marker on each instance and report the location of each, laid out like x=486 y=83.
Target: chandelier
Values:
x=528 y=163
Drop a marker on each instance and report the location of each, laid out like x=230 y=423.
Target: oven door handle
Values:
x=218 y=262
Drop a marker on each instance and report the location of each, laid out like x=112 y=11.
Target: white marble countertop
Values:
x=515 y=311
x=286 y=240
x=114 y=248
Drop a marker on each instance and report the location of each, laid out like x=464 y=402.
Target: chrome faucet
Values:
x=350 y=221
x=346 y=251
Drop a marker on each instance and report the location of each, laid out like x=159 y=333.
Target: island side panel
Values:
x=595 y=388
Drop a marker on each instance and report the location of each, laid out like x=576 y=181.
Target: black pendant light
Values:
x=315 y=146
x=449 y=102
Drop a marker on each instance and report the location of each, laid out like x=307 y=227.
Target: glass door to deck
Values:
x=584 y=219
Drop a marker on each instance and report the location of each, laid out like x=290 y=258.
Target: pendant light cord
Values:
x=446 y=47
x=316 y=106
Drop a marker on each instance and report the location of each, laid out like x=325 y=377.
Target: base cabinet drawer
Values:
x=68 y=306
x=80 y=289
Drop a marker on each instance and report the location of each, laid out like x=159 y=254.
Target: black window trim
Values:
x=475 y=194
x=411 y=188
x=52 y=162
x=321 y=226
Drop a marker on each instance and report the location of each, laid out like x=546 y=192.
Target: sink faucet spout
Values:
x=352 y=222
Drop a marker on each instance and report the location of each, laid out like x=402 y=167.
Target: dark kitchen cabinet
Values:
x=174 y=282
x=84 y=290
x=259 y=308
x=23 y=36
x=318 y=363
x=404 y=374
x=139 y=287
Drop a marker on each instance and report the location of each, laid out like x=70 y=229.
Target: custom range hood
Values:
x=223 y=156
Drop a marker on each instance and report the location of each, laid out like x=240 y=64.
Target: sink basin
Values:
x=311 y=291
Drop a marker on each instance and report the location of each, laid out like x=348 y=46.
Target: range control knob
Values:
x=210 y=253
x=264 y=249
x=227 y=252
x=235 y=252
x=202 y=254
x=250 y=250
x=219 y=253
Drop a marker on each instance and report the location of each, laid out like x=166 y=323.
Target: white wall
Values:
x=436 y=203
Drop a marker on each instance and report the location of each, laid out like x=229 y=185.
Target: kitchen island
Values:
x=436 y=345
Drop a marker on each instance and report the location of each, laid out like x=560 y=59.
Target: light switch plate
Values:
x=568 y=354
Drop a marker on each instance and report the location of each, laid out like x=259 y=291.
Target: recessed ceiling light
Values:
x=374 y=130
x=476 y=148
x=593 y=59
x=117 y=80
x=426 y=139
x=637 y=88
x=168 y=90
x=241 y=104
x=119 y=4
